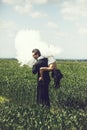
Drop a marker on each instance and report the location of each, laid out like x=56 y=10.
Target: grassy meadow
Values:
x=18 y=108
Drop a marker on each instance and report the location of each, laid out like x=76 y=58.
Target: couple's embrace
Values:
x=42 y=67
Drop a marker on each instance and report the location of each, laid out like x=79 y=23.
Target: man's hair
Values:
x=36 y=51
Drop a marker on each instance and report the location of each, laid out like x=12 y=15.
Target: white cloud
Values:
x=74 y=10
x=52 y=25
x=83 y=30
x=23 y=9
x=25 y=1
x=28 y=10
x=37 y=14
x=12 y=2
x=39 y=1
x=61 y=35
x=7 y=1
x=9 y=27
x=26 y=7
x=27 y=40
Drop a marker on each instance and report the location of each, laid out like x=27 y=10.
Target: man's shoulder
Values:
x=42 y=61
x=42 y=58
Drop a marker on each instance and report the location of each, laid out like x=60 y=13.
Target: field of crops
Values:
x=18 y=108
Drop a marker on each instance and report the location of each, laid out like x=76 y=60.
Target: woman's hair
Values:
x=36 y=51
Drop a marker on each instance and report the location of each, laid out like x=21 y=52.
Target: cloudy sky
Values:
x=57 y=25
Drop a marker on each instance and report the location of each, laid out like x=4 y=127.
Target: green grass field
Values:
x=18 y=108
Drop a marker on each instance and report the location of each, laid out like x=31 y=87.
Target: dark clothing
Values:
x=42 y=93
x=57 y=75
x=43 y=85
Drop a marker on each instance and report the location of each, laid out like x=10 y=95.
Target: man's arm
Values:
x=35 y=68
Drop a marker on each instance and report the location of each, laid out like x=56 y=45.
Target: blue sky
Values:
x=58 y=24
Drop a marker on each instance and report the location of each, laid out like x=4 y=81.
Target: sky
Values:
x=58 y=27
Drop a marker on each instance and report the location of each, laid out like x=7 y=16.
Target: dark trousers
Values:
x=43 y=93
x=57 y=75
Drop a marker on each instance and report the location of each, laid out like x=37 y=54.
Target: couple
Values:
x=41 y=67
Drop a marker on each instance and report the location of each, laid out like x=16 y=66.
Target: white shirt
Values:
x=51 y=59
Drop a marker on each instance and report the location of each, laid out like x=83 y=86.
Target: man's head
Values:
x=36 y=53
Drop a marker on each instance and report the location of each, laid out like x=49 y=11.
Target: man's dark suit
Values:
x=43 y=85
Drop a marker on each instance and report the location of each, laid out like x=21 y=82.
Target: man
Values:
x=42 y=85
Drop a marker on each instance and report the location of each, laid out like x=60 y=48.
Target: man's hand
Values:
x=40 y=78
